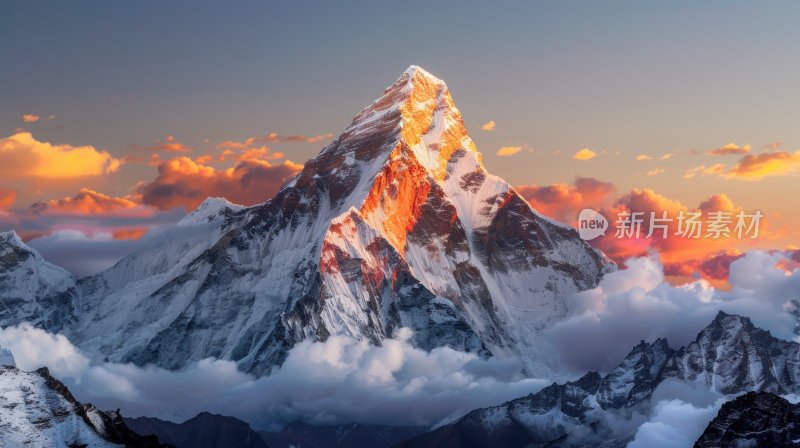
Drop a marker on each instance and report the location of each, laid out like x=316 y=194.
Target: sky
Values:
x=115 y=113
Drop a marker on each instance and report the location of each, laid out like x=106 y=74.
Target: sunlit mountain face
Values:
x=202 y=246
x=395 y=224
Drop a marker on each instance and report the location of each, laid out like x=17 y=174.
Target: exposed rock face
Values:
x=730 y=356
x=36 y=410
x=754 y=419
x=394 y=224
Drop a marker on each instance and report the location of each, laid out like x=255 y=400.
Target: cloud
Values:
x=271 y=137
x=759 y=166
x=170 y=145
x=672 y=248
x=666 y=156
x=83 y=253
x=563 y=202
x=753 y=167
x=507 y=151
x=183 y=182
x=772 y=146
x=637 y=304
x=488 y=126
x=33 y=118
x=716 y=169
x=681 y=412
x=655 y=172
x=643 y=157
x=730 y=148
x=204 y=159
x=584 y=154
x=685 y=257
x=23 y=157
x=79 y=233
x=337 y=381
x=34 y=348
x=7 y=198
x=88 y=201
x=344 y=380
x=261 y=153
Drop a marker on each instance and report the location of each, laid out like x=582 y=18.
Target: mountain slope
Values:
x=36 y=410
x=394 y=224
x=753 y=419
x=33 y=290
x=729 y=356
x=202 y=431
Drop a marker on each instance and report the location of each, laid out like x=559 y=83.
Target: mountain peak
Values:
x=724 y=318
x=209 y=210
x=11 y=237
x=415 y=74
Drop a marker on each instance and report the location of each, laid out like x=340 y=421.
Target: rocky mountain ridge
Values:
x=730 y=356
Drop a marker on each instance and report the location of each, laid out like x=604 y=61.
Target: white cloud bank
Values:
x=336 y=381
x=636 y=304
x=343 y=380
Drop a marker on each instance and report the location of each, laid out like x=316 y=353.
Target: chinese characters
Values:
x=689 y=224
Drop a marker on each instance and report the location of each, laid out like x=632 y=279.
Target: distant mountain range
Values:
x=729 y=356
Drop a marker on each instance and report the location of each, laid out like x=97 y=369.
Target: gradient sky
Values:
x=622 y=78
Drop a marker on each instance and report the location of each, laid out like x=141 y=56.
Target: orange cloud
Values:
x=129 y=234
x=584 y=154
x=682 y=256
x=204 y=159
x=22 y=157
x=183 y=182
x=643 y=157
x=772 y=146
x=170 y=145
x=85 y=202
x=563 y=202
x=489 y=126
x=716 y=169
x=32 y=118
x=262 y=153
x=507 y=151
x=88 y=212
x=270 y=138
x=7 y=198
x=730 y=148
x=655 y=172
x=757 y=167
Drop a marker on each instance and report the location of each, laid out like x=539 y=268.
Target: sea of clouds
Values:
x=345 y=380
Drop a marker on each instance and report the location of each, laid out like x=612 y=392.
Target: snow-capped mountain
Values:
x=36 y=410
x=730 y=356
x=396 y=223
x=33 y=290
